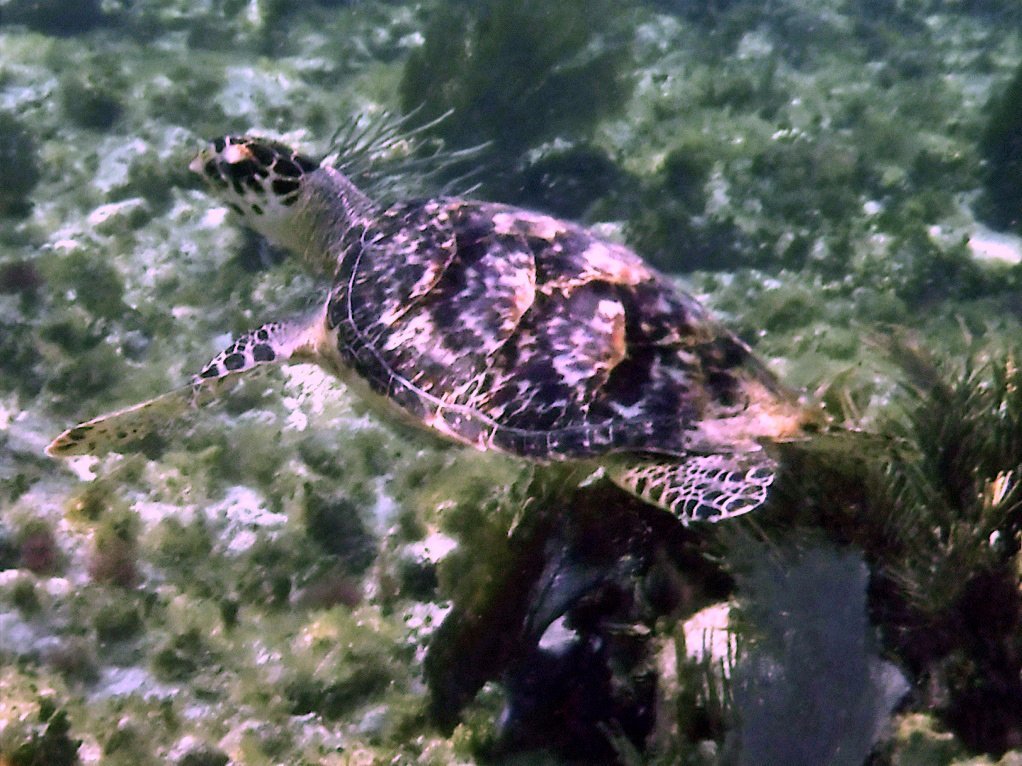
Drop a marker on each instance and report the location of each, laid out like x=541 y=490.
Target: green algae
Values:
x=119 y=620
x=48 y=744
x=24 y=597
x=360 y=663
x=113 y=557
x=334 y=524
x=835 y=215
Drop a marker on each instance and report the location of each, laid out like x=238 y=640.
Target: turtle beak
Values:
x=197 y=164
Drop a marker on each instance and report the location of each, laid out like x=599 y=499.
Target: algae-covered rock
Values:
x=47 y=740
x=92 y=100
x=342 y=660
x=90 y=278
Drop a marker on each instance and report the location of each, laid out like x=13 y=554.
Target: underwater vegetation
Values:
x=949 y=595
x=513 y=75
x=47 y=741
x=936 y=519
x=869 y=584
x=288 y=582
x=1001 y=148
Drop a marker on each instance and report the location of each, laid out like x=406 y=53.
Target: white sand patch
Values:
x=989 y=246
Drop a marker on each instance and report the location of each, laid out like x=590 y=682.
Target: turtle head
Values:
x=254 y=176
x=288 y=197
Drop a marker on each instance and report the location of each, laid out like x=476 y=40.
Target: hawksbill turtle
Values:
x=499 y=328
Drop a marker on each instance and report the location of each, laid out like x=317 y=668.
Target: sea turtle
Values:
x=499 y=328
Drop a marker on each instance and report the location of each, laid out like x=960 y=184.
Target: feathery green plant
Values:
x=959 y=504
x=519 y=73
x=945 y=542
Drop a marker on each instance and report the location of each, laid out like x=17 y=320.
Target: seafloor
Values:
x=260 y=585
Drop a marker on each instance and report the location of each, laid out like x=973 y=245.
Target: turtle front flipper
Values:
x=112 y=431
x=700 y=487
x=267 y=345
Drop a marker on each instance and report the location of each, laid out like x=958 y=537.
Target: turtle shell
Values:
x=510 y=330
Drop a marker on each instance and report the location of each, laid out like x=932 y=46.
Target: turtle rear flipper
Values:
x=700 y=487
x=267 y=345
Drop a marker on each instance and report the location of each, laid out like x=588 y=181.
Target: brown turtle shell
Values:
x=511 y=330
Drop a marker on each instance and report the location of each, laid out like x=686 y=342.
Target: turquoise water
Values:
x=262 y=582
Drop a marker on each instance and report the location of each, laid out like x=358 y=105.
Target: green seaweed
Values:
x=1001 y=147
x=24 y=596
x=94 y=282
x=56 y=17
x=204 y=755
x=37 y=546
x=941 y=535
x=334 y=524
x=516 y=74
x=182 y=655
x=127 y=745
x=177 y=545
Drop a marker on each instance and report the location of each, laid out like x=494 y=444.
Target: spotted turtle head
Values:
x=299 y=204
x=258 y=178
